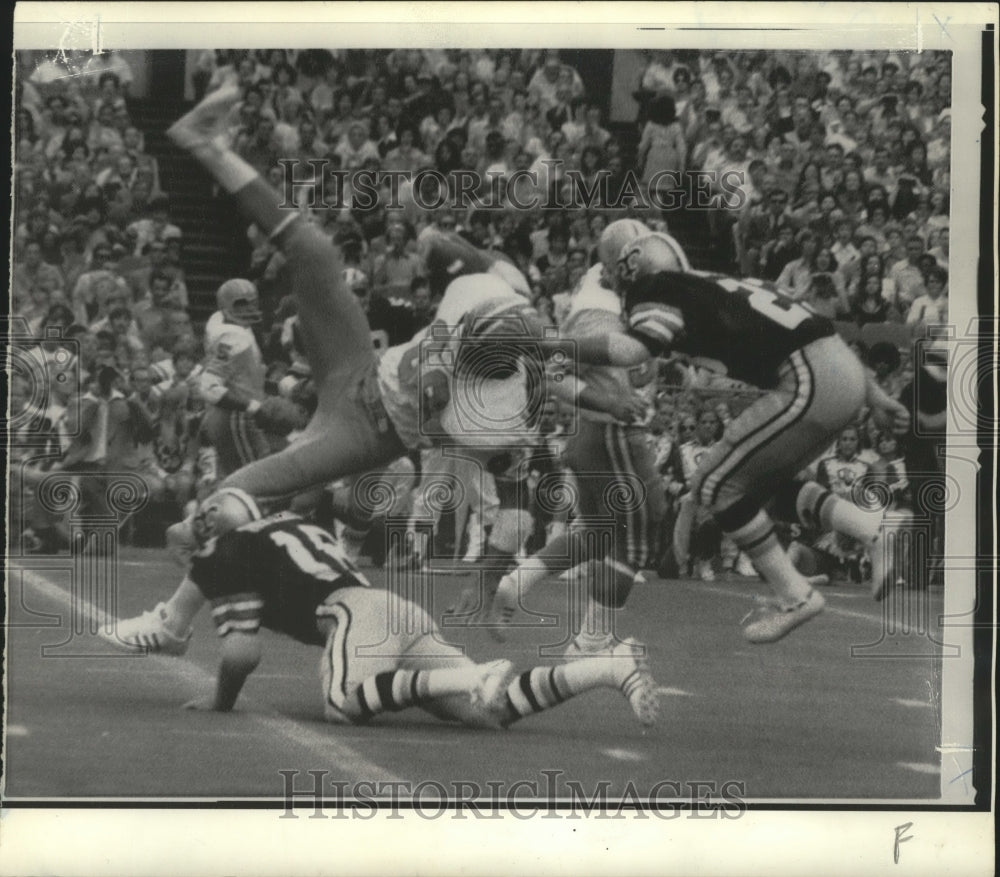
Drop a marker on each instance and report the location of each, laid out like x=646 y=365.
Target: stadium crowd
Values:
x=841 y=158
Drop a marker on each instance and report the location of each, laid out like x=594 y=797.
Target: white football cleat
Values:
x=502 y=609
x=883 y=553
x=771 y=621
x=744 y=567
x=149 y=633
x=583 y=647
x=635 y=681
x=203 y=123
x=489 y=693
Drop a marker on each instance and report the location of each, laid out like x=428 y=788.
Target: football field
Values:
x=800 y=719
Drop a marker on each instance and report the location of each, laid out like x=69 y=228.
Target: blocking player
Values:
x=612 y=463
x=369 y=412
x=286 y=574
x=817 y=385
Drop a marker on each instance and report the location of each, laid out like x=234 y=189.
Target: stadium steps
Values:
x=215 y=245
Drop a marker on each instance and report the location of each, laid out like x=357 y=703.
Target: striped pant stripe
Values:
x=336 y=653
x=742 y=450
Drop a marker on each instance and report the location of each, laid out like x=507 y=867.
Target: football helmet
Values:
x=649 y=255
x=226 y=509
x=239 y=302
x=615 y=237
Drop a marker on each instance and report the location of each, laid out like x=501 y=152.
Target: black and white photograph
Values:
x=501 y=438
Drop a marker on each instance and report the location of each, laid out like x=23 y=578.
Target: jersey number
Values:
x=322 y=543
x=768 y=302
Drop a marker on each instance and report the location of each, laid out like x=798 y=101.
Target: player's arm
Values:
x=615 y=348
x=573 y=391
x=240 y=657
x=886 y=411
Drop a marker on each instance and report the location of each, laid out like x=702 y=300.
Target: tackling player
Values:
x=380 y=652
x=817 y=385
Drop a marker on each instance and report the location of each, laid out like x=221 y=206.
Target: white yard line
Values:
x=919 y=766
x=623 y=754
x=324 y=746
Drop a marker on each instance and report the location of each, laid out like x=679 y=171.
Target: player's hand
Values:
x=628 y=409
x=279 y=415
x=891 y=415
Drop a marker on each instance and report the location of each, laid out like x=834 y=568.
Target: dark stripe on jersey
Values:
x=768 y=423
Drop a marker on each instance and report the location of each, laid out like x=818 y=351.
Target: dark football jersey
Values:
x=746 y=326
x=277 y=572
x=394 y=316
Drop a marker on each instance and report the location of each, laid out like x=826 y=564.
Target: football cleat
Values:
x=489 y=692
x=744 y=567
x=467 y=605
x=635 y=681
x=502 y=609
x=206 y=121
x=883 y=553
x=771 y=621
x=582 y=647
x=149 y=633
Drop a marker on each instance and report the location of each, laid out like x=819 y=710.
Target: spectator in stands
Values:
x=826 y=298
x=155 y=227
x=931 y=308
x=395 y=270
x=796 y=277
x=869 y=305
x=704 y=536
x=662 y=147
x=33 y=279
x=906 y=280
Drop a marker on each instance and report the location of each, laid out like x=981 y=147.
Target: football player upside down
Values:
x=370 y=411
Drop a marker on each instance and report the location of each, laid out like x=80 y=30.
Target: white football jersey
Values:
x=596 y=310
x=232 y=361
x=492 y=412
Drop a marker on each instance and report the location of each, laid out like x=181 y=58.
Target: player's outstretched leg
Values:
x=817 y=507
x=541 y=688
x=795 y=601
x=395 y=690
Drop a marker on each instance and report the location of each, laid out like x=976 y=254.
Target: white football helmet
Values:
x=239 y=302
x=615 y=237
x=649 y=255
x=226 y=509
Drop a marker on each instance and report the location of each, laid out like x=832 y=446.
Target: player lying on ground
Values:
x=380 y=652
x=817 y=386
x=369 y=412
